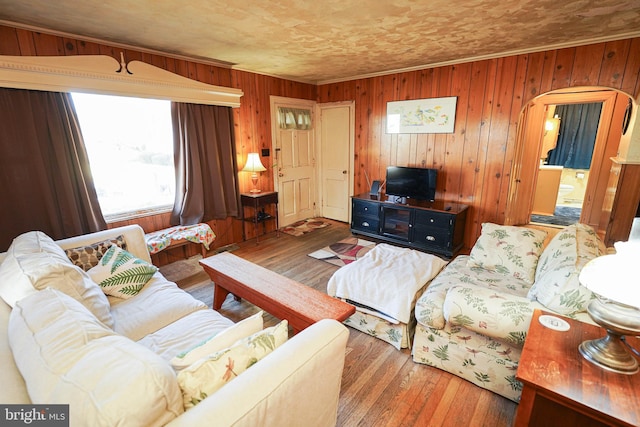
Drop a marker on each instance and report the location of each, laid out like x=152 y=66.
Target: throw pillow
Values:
x=219 y=341
x=557 y=286
x=509 y=250
x=87 y=257
x=120 y=274
x=208 y=375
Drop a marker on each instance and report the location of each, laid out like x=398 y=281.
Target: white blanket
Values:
x=386 y=279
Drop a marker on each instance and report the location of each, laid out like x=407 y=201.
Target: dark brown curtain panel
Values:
x=45 y=179
x=205 y=159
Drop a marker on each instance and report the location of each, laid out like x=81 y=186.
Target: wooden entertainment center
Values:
x=436 y=226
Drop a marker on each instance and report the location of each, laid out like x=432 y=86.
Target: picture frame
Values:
x=431 y=115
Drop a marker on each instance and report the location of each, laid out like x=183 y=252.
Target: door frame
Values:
x=524 y=171
x=319 y=146
x=275 y=102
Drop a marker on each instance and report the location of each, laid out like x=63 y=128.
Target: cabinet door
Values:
x=437 y=239
x=396 y=222
x=363 y=208
x=433 y=219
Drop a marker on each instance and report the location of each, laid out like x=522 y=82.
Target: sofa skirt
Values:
x=488 y=363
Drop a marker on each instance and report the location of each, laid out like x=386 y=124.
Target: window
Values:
x=130 y=147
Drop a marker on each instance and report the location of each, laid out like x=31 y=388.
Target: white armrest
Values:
x=298 y=384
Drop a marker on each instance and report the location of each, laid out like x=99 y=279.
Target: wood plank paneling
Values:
x=475 y=162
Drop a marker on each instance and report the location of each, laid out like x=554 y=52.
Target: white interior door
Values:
x=336 y=147
x=295 y=171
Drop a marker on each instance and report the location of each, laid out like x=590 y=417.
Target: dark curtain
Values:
x=205 y=159
x=45 y=178
x=577 y=136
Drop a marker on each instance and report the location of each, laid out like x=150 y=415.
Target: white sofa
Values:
x=113 y=366
x=474 y=316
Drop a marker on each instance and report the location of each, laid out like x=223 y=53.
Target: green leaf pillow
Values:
x=120 y=274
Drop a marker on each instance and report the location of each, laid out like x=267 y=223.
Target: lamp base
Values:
x=254 y=181
x=610 y=354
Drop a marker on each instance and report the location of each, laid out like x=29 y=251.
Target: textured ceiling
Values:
x=331 y=40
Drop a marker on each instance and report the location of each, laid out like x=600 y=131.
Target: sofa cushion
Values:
x=429 y=306
x=13 y=284
x=120 y=274
x=218 y=341
x=67 y=356
x=88 y=256
x=508 y=250
x=34 y=262
x=557 y=286
x=206 y=376
x=158 y=304
x=185 y=333
x=487 y=312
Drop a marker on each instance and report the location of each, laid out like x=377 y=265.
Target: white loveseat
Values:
x=474 y=316
x=110 y=358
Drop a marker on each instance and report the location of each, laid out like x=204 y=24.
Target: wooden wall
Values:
x=475 y=161
x=252 y=119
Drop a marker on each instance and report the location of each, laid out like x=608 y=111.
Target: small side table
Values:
x=257 y=201
x=561 y=388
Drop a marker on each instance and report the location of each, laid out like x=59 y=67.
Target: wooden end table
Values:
x=257 y=201
x=561 y=388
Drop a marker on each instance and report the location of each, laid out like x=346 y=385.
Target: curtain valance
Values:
x=294 y=118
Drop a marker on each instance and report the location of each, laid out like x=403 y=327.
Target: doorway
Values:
x=568 y=143
x=529 y=146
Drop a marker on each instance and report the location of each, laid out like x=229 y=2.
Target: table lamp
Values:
x=254 y=165
x=614 y=280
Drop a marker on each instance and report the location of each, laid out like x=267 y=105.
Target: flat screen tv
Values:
x=413 y=183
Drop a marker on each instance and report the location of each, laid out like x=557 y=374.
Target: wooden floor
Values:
x=381 y=386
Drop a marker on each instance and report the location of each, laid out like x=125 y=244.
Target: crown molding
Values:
x=104 y=74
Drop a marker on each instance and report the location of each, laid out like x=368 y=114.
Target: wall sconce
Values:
x=613 y=280
x=254 y=165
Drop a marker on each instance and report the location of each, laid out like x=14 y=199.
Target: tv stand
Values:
x=436 y=226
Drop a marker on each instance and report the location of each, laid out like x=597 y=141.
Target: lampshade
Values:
x=253 y=164
x=614 y=281
x=615 y=277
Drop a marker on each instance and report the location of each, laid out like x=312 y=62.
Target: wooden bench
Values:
x=282 y=297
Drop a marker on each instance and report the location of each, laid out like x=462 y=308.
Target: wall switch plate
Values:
x=265 y=152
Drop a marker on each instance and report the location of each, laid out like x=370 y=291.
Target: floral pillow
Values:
x=120 y=274
x=557 y=286
x=209 y=374
x=87 y=257
x=509 y=250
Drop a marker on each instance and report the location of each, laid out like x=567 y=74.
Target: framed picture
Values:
x=433 y=115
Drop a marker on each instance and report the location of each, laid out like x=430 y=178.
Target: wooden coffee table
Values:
x=280 y=296
x=561 y=388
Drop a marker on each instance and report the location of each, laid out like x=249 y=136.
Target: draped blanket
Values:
x=386 y=279
x=198 y=233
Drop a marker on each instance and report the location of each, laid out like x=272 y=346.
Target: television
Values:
x=412 y=183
